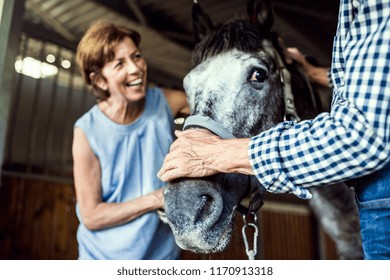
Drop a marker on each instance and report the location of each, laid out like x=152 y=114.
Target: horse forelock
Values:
x=235 y=34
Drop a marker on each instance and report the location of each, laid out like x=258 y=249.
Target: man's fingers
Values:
x=170 y=174
x=178 y=133
x=167 y=165
x=181 y=156
x=166 y=176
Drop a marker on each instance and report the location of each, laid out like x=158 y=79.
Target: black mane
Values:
x=235 y=34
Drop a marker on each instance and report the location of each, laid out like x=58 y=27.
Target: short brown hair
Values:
x=96 y=48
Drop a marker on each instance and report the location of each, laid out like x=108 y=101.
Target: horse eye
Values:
x=258 y=75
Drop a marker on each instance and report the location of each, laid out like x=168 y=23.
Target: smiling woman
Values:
x=118 y=147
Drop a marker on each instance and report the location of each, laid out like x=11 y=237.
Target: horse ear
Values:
x=201 y=22
x=260 y=13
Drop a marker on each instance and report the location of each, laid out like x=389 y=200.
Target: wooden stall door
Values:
x=38 y=220
x=286 y=232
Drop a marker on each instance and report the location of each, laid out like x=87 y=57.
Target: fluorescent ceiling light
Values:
x=50 y=58
x=66 y=64
x=35 y=68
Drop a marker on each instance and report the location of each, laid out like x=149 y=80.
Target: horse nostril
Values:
x=206 y=205
x=209 y=209
x=193 y=203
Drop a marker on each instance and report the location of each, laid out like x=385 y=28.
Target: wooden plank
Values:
x=39 y=220
x=43 y=237
x=8 y=209
x=60 y=247
x=286 y=236
x=22 y=240
x=72 y=223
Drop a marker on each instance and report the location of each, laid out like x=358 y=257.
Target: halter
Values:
x=285 y=79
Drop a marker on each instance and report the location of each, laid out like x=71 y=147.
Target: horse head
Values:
x=237 y=82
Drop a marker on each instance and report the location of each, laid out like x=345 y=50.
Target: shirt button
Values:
x=355 y=3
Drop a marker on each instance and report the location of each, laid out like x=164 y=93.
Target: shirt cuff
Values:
x=265 y=160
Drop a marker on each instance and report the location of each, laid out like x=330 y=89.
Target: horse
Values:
x=240 y=82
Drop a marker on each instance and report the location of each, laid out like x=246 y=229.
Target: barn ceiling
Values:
x=166 y=28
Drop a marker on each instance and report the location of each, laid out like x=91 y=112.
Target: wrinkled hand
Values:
x=194 y=154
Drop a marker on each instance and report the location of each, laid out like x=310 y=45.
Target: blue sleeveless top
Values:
x=130 y=157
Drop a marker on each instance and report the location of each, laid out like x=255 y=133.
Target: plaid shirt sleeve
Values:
x=353 y=139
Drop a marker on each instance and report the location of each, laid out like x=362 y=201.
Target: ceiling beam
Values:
x=307 y=45
x=48 y=19
x=135 y=8
x=40 y=32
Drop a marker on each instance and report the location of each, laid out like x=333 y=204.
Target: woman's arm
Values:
x=177 y=100
x=95 y=213
x=316 y=74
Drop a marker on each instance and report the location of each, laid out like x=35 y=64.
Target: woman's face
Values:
x=125 y=75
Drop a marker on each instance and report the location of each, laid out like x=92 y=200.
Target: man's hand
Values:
x=193 y=154
x=200 y=153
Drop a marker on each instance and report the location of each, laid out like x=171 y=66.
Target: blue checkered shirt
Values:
x=353 y=139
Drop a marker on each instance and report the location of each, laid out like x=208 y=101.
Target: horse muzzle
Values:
x=200 y=218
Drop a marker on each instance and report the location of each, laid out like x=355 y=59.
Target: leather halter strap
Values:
x=208 y=123
x=289 y=105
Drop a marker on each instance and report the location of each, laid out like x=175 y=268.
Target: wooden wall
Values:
x=286 y=232
x=38 y=221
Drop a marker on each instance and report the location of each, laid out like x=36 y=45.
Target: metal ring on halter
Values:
x=254 y=218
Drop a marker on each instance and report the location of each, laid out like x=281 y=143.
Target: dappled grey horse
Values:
x=241 y=85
